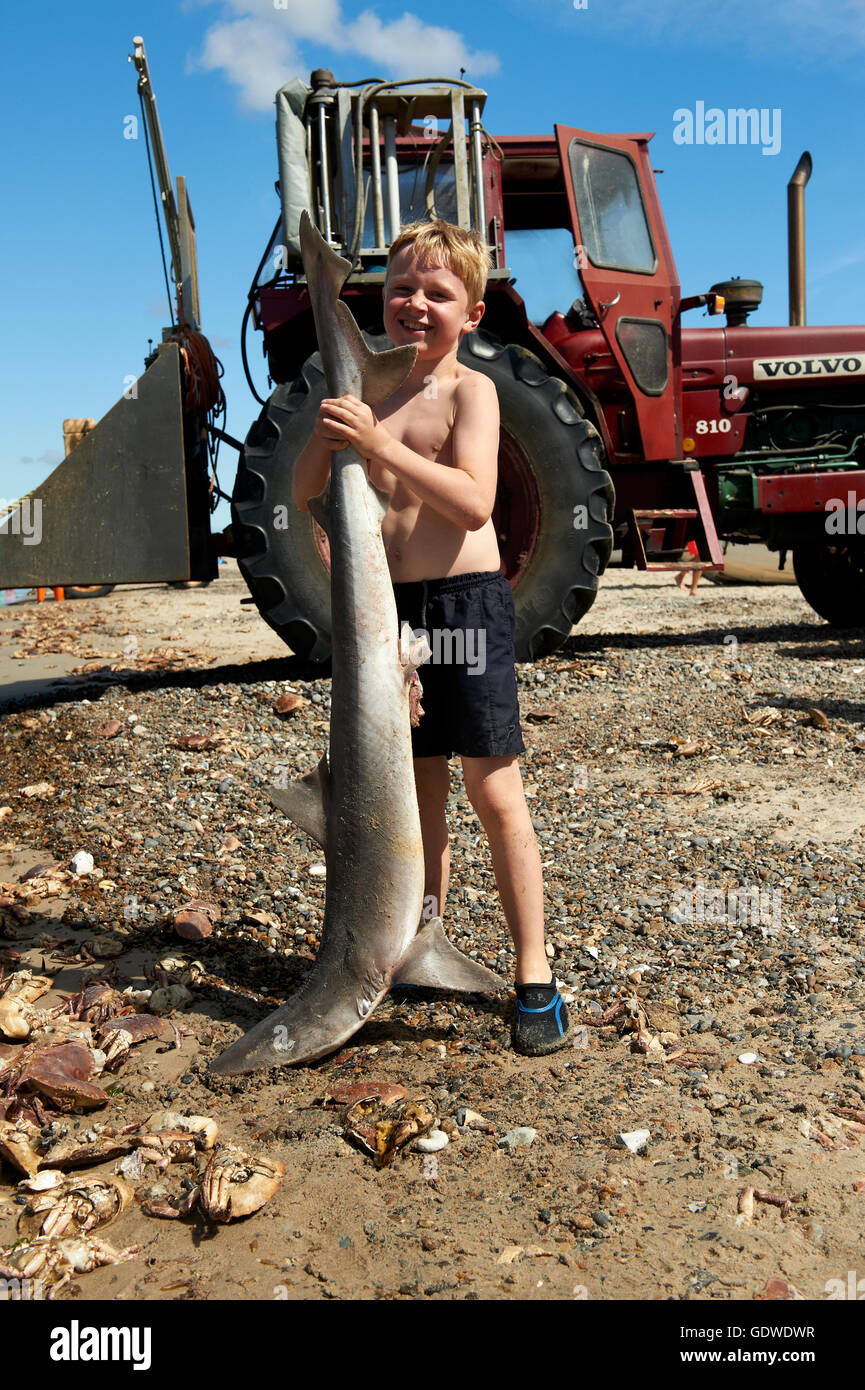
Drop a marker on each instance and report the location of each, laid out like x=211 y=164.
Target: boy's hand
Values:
x=348 y=420
x=323 y=428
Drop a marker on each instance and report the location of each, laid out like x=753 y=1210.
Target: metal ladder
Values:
x=703 y=510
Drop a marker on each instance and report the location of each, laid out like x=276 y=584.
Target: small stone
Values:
x=82 y=863
x=748 y=1058
x=601 y=1218
x=470 y=1119
x=634 y=1140
x=192 y=926
x=287 y=703
x=523 y=1135
x=432 y=1142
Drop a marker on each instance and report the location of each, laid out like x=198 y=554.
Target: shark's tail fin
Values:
x=326 y=272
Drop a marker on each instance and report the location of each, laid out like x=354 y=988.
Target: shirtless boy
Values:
x=432 y=446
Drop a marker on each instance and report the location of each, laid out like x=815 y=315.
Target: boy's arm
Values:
x=464 y=493
x=311 y=471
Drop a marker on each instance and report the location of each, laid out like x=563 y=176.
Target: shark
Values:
x=359 y=804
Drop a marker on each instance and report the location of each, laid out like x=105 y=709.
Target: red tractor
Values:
x=622 y=432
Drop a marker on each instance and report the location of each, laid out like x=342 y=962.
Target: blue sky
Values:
x=82 y=283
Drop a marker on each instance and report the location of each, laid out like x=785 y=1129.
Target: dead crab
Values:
x=61 y=1072
x=20 y=993
x=120 y=1034
x=19 y=1137
x=54 y=1261
x=98 y=1002
x=63 y=1149
x=233 y=1184
x=60 y=1206
x=381 y=1131
x=178 y=1145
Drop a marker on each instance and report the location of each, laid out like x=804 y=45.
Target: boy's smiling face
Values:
x=428 y=305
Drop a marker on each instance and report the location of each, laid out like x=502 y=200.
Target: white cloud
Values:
x=405 y=44
x=257 y=55
x=255 y=44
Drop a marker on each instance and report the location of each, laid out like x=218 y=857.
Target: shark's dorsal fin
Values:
x=432 y=961
x=305 y=801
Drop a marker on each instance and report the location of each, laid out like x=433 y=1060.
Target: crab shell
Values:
x=61 y=1072
x=47 y=1257
x=74 y=1206
x=204 y=1129
x=120 y=1034
x=21 y=991
x=99 y=1001
x=236 y=1184
x=382 y=1134
x=17 y=1145
x=70 y=1152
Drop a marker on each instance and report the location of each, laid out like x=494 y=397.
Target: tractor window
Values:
x=543 y=263
x=613 y=223
x=644 y=344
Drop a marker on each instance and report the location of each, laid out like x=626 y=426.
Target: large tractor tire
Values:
x=555 y=500
x=832 y=580
x=88 y=590
x=552 y=516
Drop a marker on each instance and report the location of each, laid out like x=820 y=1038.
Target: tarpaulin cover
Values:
x=294 y=189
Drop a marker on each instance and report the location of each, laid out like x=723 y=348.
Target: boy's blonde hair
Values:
x=441 y=243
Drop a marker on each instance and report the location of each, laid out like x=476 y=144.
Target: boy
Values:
x=433 y=448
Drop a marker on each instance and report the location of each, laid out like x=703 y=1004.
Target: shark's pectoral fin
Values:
x=320 y=509
x=433 y=962
x=305 y=801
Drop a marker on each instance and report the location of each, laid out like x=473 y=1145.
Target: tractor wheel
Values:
x=282 y=553
x=87 y=590
x=552 y=514
x=554 y=503
x=832 y=580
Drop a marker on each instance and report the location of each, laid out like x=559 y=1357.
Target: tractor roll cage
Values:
x=350 y=158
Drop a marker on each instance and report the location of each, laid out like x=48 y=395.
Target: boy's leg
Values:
x=432 y=780
x=494 y=786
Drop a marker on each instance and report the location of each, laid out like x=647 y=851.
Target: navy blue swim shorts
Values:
x=469 y=684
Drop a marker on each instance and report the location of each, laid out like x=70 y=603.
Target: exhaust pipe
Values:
x=796 y=238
